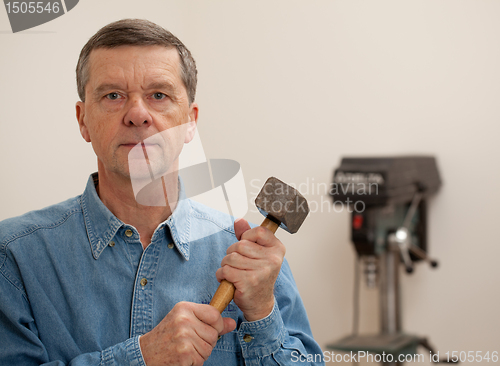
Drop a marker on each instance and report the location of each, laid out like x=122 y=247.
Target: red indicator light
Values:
x=357 y=222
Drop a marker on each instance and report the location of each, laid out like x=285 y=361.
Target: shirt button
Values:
x=247 y=338
x=170 y=245
x=111 y=243
x=129 y=233
x=144 y=282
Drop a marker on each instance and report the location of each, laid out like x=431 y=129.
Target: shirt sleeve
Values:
x=21 y=345
x=283 y=337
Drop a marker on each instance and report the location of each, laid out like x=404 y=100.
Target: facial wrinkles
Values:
x=139 y=79
x=134 y=77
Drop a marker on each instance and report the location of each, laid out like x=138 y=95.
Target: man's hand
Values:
x=186 y=336
x=252 y=265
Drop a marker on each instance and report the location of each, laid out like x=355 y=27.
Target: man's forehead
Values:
x=114 y=61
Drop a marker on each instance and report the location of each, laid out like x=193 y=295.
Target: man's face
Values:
x=133 y=94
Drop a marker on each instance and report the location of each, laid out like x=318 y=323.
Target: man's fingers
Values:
x=238 y=261
x=210 y=316
x=260 y=235
x=247 y=249
x=207 y=339
x=204 y=348
x=229 y=325
x=240 y=226
x=227 y=273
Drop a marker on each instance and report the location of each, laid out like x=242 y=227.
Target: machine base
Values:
x=394 y=344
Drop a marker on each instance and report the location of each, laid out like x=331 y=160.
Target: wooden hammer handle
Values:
x=225 y=291
x=270 y=224
x=223 y=296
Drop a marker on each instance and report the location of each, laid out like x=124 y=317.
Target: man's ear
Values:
x=193 y=120
x=80 y=116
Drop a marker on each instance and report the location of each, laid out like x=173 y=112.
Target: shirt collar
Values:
x=101 y=225
x=180 y=222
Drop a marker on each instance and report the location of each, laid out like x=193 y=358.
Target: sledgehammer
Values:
x=283 y=206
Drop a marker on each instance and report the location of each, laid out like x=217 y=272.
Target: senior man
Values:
x=101 y=279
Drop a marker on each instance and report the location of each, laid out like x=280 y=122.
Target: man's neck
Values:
x=118 y=196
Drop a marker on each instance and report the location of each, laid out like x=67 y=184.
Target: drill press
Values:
x=388 y=198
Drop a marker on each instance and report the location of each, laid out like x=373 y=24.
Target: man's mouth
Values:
x=138 y=144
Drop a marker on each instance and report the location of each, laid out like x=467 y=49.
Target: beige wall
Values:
x=287 y=88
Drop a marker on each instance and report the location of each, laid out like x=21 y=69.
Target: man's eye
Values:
x=159 y=96
x=113 y=96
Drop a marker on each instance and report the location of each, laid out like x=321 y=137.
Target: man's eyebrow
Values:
x=105 y=87
x=162 y=85
x=155 y=85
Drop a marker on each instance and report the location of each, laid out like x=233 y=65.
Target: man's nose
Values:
x=137 y=114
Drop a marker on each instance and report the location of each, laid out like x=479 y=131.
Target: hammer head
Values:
x=283 y=204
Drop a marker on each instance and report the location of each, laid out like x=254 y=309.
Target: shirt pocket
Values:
x=228 y=342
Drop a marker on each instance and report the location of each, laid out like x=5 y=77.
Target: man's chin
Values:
x=140 y=171
x=142 y=174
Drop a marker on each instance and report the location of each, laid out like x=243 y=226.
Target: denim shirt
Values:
x=77 y=288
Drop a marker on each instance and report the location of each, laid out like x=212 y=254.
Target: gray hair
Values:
x=136 y=32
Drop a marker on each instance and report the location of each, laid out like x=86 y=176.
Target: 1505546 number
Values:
x=32 y=7
x=472 y=356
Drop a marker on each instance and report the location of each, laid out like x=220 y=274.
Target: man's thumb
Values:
x=229 y=325
x=240 y=226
